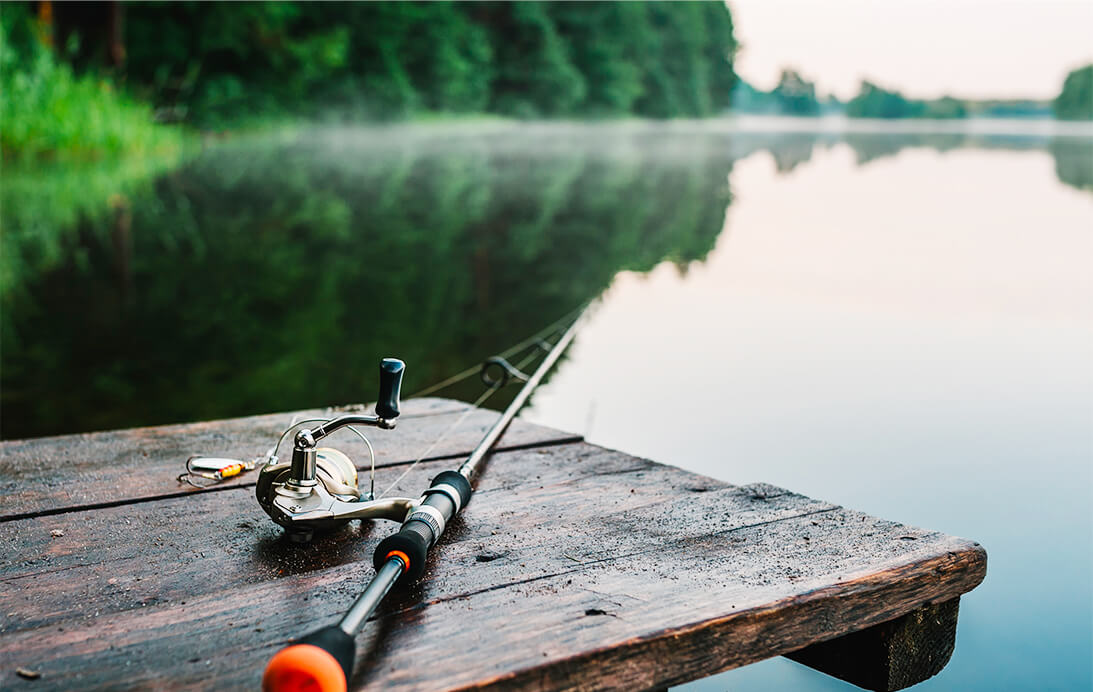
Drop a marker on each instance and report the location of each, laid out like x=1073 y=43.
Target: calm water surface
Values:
x=896 y=322
x=910 y=337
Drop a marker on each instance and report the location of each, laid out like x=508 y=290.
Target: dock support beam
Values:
x=892 y=655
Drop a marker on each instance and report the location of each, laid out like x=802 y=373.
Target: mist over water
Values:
x=892 y=319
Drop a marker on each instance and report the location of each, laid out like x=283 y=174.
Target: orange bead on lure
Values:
x=229 y=471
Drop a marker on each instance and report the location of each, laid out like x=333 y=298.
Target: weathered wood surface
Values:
x=58 y=474
x=573 y=566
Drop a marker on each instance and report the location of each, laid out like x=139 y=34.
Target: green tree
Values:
x=676 y=75
x=601 y=37
x=452 y=60
x=720 y=51
x=945 y=107
x=1075 y=101
x=220 y=63
x=873 y=101
x=796 y=95
x=533 y=71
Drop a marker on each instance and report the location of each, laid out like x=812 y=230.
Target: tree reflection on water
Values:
x=272 y=275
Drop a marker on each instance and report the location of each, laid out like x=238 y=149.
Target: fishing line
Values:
x=474 y=407
x=549 y=330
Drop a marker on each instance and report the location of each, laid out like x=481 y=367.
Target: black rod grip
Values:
x=387 y=405
x=457 y=481
x=411 y=545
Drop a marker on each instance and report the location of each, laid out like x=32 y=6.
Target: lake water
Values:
x=895 y=320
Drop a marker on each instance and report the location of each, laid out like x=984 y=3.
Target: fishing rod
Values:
x=317 y=489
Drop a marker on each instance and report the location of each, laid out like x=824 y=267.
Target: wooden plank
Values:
x=58 y=474
x=101 y=562
x=573 y=566
x=892 y=655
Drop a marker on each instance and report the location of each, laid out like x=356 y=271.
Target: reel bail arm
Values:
x=387 y=410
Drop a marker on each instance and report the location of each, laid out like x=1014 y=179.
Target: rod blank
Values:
x=371 y=597
x=470 y=466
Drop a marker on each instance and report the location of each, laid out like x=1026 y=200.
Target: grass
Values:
x=49 y=112
x=73 y=147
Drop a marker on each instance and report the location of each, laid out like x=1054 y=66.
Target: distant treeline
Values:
x=874 y=101
x=222 y=63
x=1075 y=102
x=795 y=95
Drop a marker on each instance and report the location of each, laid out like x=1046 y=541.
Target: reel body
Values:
x=318 y=489
x=330 y=504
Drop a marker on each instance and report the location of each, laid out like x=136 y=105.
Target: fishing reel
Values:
x=318 y=489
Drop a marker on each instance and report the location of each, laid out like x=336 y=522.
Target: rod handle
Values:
x=411 y=545
x=421 y=531
x=387 y=405
x=320 y=662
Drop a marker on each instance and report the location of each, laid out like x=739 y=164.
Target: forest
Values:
x=87 y=80
x=220 y=64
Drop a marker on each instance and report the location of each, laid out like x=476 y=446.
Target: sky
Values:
x=925 y=48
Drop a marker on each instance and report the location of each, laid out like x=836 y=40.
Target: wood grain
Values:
x=59 y=474
x=100 y=562
x=892 y=655
x=573 y=567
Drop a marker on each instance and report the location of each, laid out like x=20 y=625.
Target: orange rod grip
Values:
x=303 y=668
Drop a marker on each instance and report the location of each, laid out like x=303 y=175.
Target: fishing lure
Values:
x=213 y=469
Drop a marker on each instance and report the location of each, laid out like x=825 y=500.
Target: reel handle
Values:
x=387 y=404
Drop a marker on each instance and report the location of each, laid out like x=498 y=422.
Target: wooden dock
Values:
x=573 y=567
